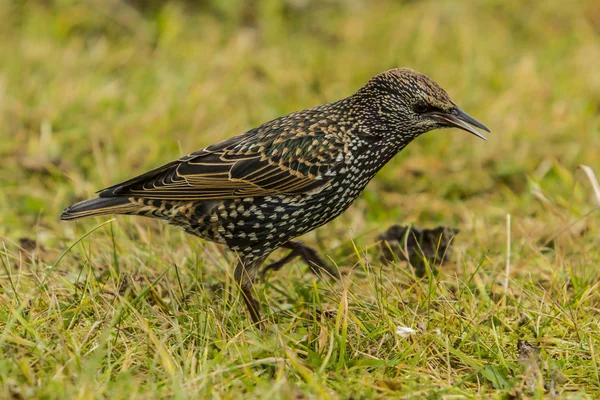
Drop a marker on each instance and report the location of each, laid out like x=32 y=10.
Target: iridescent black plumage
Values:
x=257 y=191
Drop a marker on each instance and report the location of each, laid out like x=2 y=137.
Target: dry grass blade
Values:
x=594 y=182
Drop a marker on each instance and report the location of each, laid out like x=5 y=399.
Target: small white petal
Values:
x=404 y=331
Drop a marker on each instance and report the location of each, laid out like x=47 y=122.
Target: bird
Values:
x=258 y=191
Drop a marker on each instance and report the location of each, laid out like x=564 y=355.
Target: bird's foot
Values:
x=310 y=256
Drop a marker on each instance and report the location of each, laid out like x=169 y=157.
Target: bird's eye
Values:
x=421 y=108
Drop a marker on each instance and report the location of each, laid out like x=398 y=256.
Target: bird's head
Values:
x=413 y=104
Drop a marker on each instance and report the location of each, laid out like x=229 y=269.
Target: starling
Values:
x=258 y=191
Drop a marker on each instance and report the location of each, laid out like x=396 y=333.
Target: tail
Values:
x=99 y=206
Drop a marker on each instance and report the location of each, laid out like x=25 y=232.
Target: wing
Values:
x=273 y=159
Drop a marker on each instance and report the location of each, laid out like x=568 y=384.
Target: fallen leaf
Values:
x=416 y=245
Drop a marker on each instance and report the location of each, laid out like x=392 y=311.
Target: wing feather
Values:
x=261 y=162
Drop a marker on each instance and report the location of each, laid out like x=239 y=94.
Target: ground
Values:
x=94 y=92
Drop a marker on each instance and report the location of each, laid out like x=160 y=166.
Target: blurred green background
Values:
x=94 y=92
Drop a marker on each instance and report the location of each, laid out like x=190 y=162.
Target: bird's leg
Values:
x=309 y=255
x=277 y=265
x=244 y=276
x=317 y=265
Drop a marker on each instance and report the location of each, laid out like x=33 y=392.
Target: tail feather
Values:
x=99 y=206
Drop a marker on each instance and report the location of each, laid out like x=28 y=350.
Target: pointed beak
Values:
x=460 y=119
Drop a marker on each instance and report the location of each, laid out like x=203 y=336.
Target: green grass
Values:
x=94 y=92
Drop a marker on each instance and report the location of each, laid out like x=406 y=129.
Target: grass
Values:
x=94 y=92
